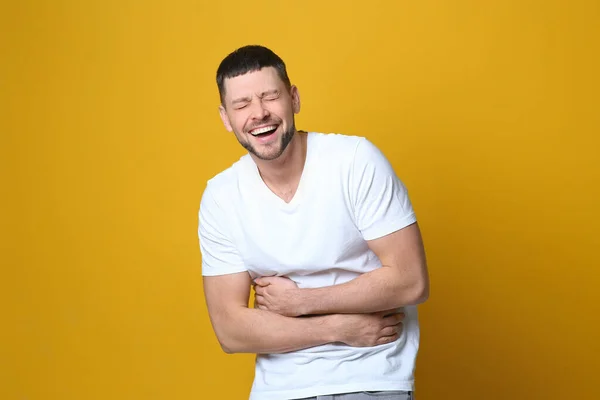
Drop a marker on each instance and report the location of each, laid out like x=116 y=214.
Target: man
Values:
x=325 y=231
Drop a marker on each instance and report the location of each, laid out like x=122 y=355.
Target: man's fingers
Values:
x=387 y=313
x=388 y=331
x=261 y=282
x=387 y=339
x=392 y=330
x=393 y=319
x=264 y=281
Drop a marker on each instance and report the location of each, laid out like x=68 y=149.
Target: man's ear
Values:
x=295 y=99
x=225 y=118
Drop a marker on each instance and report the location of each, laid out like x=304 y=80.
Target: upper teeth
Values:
x=262 y=130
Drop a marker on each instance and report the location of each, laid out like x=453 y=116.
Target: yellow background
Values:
x=488 y=110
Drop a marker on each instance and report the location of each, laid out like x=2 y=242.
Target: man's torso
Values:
x=313 y=240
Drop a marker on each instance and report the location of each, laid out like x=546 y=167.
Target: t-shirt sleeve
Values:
x=381 y=202
x=219 y=254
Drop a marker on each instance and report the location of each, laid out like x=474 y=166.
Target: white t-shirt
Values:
x=348 y=193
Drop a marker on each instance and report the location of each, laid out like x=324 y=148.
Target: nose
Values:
x=259 y=111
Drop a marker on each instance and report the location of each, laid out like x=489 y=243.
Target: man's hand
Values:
x=366 y=330
x=277 y=294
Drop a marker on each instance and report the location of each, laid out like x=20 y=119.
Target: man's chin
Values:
x=267 y=155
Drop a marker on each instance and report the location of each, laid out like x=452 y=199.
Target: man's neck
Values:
x=283 y=175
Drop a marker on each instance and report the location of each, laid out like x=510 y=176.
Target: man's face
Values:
x=260 y=110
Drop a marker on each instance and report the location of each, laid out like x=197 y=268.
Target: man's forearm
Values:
x=248 y=330
x=382 y=289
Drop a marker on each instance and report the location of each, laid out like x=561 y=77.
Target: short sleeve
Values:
x=219 y=254
x=381 y=202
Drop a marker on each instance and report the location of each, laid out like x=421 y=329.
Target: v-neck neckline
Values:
x=296 y=199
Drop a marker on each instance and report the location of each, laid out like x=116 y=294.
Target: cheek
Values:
x=238 y=122
x=282 y=112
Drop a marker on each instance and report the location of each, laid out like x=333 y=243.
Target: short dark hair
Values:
x=249 y=59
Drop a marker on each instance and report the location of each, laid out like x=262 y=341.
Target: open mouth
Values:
x=263 y=131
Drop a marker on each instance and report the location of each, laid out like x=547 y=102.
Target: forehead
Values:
x=252 y=83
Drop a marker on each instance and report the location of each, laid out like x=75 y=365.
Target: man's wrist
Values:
x=330 y=328
x=301 y=303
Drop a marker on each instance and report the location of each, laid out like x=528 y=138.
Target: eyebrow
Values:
x=268 y=92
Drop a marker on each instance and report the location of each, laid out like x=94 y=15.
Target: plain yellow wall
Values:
x=489 y=111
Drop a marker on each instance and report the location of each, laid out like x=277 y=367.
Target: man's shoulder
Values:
x=336 y=147
x=340 y=147
x=223 y=182
x=347 y=141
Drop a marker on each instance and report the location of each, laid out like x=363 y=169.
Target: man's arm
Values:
x=401 y=280
x=240 y=329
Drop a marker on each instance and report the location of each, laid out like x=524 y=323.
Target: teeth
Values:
x=262 y=130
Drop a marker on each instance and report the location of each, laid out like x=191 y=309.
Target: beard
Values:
x=267 y=155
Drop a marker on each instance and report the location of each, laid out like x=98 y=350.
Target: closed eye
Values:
x=270 y=95
x=240 y=106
